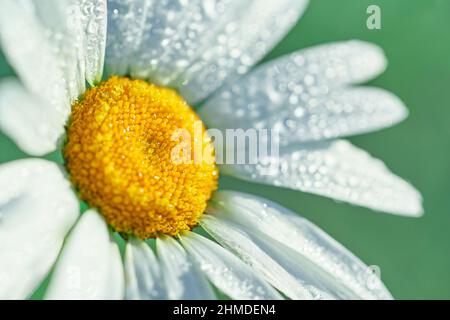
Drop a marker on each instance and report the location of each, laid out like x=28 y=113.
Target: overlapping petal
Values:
x=37 y=210
x=226 y=271
x=54 y=46
x=30 y=122
x=334 y=169
x=291 y=252
x=143 y=273
x=90 y=266
x=305 y=95
x=195 y=45
x=277 y=266
x=183 y=279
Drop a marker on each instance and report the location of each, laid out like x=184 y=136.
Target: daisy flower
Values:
x=115 y=130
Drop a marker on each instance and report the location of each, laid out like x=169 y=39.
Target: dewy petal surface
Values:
x=195 y=45
x=334 y=169
x=305 y=97
x=296 y=240
x=37 y=210
x=30 y=52
x=229 y=274
x=126 y=27
x=143 y=273
x=54 y=45
x=181 y=31
x=183 y=279
x=93 y=19
x=77 y=34
x=243 y=41
x=90 y=265
x=277 y=266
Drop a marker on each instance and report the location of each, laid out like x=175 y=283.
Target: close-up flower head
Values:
x=163 y=150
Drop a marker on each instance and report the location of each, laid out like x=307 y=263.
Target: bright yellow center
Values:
x=119 y=153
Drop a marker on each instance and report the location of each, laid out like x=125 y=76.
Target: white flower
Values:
x=205 y=50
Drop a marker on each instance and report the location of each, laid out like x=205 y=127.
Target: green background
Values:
x=413 y=254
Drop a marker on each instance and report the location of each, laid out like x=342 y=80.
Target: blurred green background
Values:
x=413 y=254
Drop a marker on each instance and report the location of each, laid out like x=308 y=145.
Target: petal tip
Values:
x=371 y=55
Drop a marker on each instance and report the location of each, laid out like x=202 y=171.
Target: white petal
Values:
x=195 y=45
x=58 y=21
x=290 y=239
x=226 y=271
x=245 y=39
x=182 y=30
x=306 y=116
x=37 y=210
x=183 y=279
x=30 y=53
x=278 y=266
x=29 y=49
x=31 y=123
x=90 y=266
x=157 y=39
x=78 y=37
x=168 y=46
x=301 y=95
x=337 y=170
x=306 y=73
x=142 y=273
x=54 y=45
x=116 y=287
x=127 y=23
x=92 y=18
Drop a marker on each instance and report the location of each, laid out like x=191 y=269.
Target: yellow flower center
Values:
x=120 y=148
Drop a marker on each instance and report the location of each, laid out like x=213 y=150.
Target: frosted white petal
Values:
x=26 y=45
x=157 y=40
x=31 y=123
x=58 y=21
x=77 y=30
x=54 y=45
x=278 y=266
x=242 y=41
x=37 y=210
x=90 y=265
x=182 y=30
x=93 y=17
x=127 y=23
x=29 y=50
x=143 y=274
x=302 y=96
x=195 y=45
x=183 y=279
x=334 y=169
x=297 y=240
x=229 y=274
x=302 y=116
x=116 y=287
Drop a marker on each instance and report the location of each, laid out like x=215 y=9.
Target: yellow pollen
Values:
x=119 y=153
